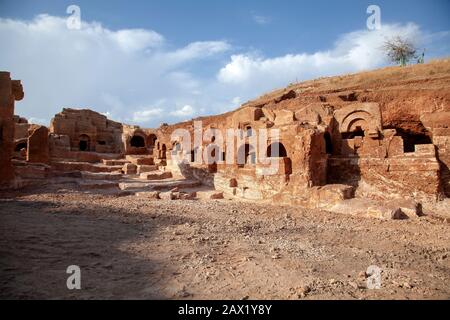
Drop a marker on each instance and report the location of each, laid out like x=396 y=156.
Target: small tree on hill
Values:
x=400 y=50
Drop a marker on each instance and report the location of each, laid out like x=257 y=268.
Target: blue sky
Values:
x=189 y=58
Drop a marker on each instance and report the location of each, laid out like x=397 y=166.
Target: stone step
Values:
x=68 y=166
x=118 y=162
x=101 y=175
x=210 y=194
x=158 y=185
x=146 y=168
x=66 y=174
x=181 y=184
x=156 y=175
x=97 y=184
x=168 y=195
x=140 y=159
x=33 y=171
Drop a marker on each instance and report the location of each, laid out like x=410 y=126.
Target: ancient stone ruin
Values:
x=341 y=144
x=10 y=91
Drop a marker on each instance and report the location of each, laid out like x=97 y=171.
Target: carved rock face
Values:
x=17 y=90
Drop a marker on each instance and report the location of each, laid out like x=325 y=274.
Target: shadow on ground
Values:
x=40 y=239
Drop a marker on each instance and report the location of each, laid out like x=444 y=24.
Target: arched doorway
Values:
x=176 y=148
x=21 y=145
x=276 y=150
x=151 y=139
x=137 y=142
x=84 y=143
x=357 y=131
x=163 y=151
x=249 y=131
x=246 y=155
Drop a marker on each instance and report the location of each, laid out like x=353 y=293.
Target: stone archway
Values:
x=151 y=140
x=276 y=150
x=84 y=143
x=137 y=141
x=22 y=144
x=246 y=155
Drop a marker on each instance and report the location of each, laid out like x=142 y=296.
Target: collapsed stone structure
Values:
x=335 y=142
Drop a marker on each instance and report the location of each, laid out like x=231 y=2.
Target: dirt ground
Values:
x=129 y=247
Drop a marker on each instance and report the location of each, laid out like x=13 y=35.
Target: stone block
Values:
x=152 y=195
x=209 y=195
x=140 y=160
x=188 y=195
x=156 y=175
x=169 y=195
x=283 y=117
x=425 y=149
x=146 y=168
x=130 y=168
x=37 y=151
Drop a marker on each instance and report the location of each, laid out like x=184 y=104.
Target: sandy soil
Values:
x=130 y=247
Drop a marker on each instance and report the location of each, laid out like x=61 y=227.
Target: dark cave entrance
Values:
x=328 y=143
x=413 y=135
x=276 y=149
x=84 y=143
x=358 y=132
x=137 y=142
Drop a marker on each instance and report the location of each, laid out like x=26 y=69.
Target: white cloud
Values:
x=143 y=116
x=137 y=39
x=260 y=19
x=236 y=101
x=38 y=121
x=183 y=112
x=109 y=71
x=355 y=51
x=199 y=49
x=135 y=76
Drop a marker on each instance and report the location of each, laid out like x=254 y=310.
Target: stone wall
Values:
x=10 y=91
x=321 y=146
x=438 y=124
x=88 y=131
x=331 y=135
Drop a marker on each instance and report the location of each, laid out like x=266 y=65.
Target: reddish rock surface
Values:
x=38 y=146
x=383 y=133
x=10 y=91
